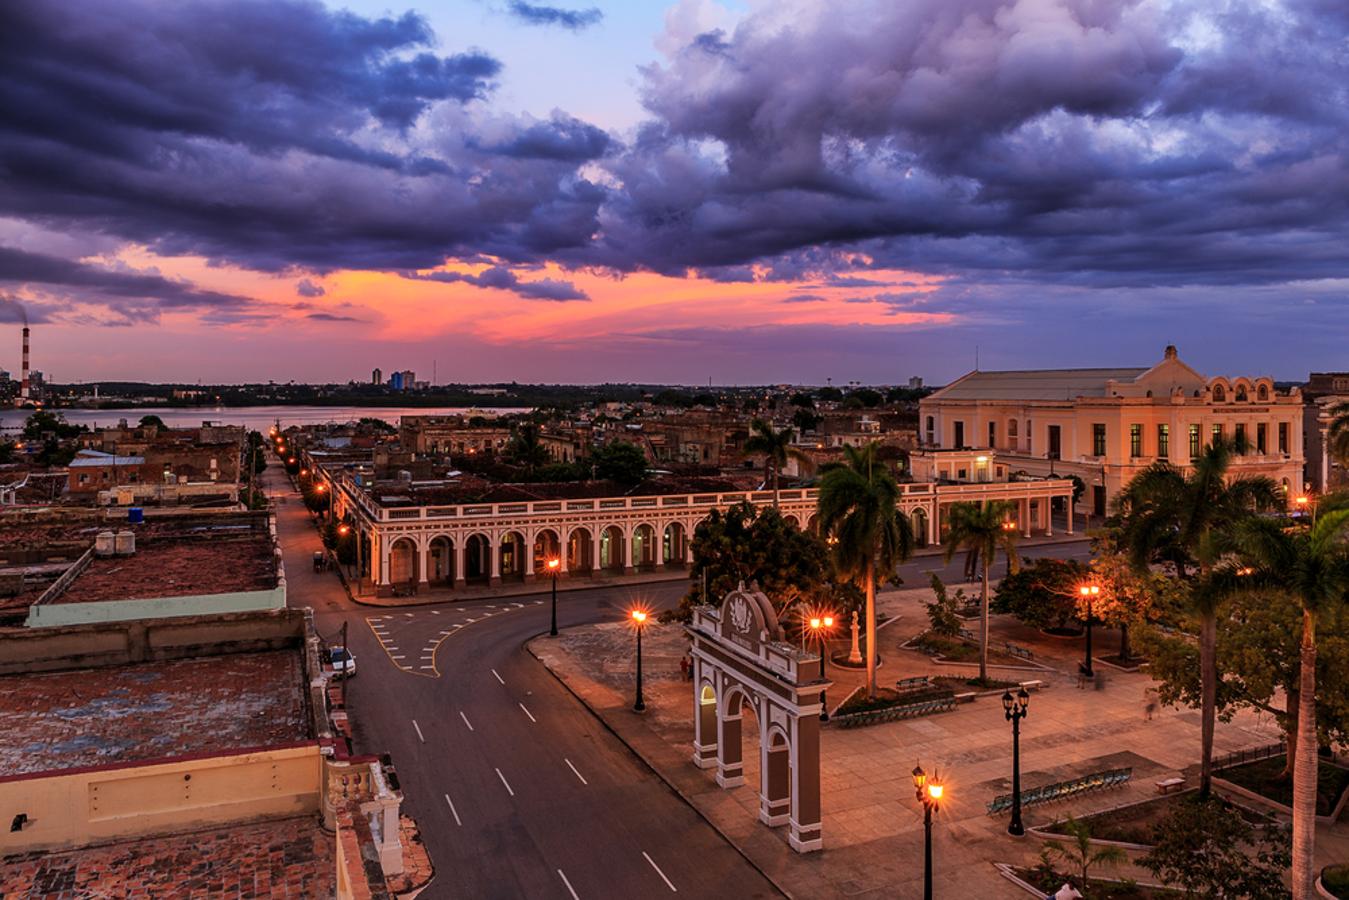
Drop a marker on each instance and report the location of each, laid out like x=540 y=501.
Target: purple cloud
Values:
x=307 y=288
x=502 y=278
x=540 y=14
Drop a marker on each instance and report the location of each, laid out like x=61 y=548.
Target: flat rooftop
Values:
x=89 y=717
x=473 y=489
x=290 y=858
x=216 y=563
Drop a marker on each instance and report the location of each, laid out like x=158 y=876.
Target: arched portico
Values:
x=644 y=549
x=440 y=562
x=612 y=558
x=403 y=562
x=580 y=552
x=741 y=662
x=674 y=545
x=478 y=558
x=512 y=558
x=547 y=546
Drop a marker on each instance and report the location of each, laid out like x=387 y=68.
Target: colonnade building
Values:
x=1106 y=425
x=424 y=535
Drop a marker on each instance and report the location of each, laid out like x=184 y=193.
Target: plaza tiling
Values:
x=872 y=824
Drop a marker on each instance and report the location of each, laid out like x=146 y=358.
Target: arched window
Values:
x=1219 y=394
x=1241 y=393
x=1262 y=393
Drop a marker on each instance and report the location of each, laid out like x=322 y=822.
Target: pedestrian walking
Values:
x=1149 y=704
x=685 y=668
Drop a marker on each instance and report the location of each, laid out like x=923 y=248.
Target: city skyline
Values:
x=751 y=193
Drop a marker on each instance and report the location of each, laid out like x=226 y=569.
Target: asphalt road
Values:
x=518 y=790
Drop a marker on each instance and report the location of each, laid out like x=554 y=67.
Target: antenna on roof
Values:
x=976 y=357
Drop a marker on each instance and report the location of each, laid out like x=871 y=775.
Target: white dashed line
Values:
x=672 y=888
x=571 y=890
x=574 y=772
x=512 y=793
x=466 y=721
x=391 y=656
x=435 y=612
x=528 y=713
x=498 y=675
x=419 y=731
x=454 y=812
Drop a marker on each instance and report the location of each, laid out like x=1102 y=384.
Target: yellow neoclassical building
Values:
x=1105 y=425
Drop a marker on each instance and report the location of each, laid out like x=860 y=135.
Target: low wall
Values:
x=124 y=643
x=86 y=806
x=47 y=615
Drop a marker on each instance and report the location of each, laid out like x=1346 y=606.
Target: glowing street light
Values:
x=929 y=791
x=1089 y=593
x=820 y=626
x=639 y=618
x=554 y=566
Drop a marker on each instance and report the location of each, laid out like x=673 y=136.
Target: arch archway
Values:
x=547 y=545
x=919 y=522
x=644 y=549
x=674 y=545
x=795 y=522
x=403 y=561
x=611 y=549
x=580 y=551
x=477 y=558
x=512 y=556
x=440 y=563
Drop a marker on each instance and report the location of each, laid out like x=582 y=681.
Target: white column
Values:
x=596 y=563
x=495 y=560
x=1025 y=517
x=459 y=557
x=423 y=554
x=1069 y=504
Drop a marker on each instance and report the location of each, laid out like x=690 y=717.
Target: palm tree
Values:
x=982 y=529
x=776 y=447
x=1310 y=566
x=1186 y=519
x=1337 y=437
x=1082 y=854
x=859 y=514
x=527 y=447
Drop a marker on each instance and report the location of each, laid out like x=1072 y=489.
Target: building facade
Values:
x=1106 y=425
x=1325 y=394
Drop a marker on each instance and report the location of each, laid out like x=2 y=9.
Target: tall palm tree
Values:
x=527 y=447
x=1338 y=433
x=1310 y=566
x=776 y=448
x=859 y=514
x=982 y=530
x=1186 y=519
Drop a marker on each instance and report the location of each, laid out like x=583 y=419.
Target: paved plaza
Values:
x=872 y=823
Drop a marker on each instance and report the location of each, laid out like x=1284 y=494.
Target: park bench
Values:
x=1063 y=790
x=913 y=684
x=968 y=635
x=1171 y=785
x=893 y=713
x=1019 y=652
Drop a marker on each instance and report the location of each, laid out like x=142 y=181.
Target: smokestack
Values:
x=23 y=385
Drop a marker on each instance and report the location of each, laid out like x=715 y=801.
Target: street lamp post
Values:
x=819 y=626
x=1089 y=593
x=553 y=566
x=639 y=622
x=1015 y=708
x=929 y=792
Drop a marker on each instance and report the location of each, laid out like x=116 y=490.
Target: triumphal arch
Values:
x=741 y=661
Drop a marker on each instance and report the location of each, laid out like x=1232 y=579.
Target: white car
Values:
x=344 y=664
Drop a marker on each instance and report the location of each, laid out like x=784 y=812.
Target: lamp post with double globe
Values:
x=929 y=791
x=820 y=626
x=1015 y=706
x=1089 y=593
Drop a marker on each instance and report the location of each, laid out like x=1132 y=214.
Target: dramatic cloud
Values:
x=539 y=14
x=307 y=288
x=502 y=278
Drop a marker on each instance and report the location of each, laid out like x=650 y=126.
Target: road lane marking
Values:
x=512 y=793
x=499 y=678
x=454 y=812
x=391 y=656
x=435 y=612
x=571 y=890
x=466 y=721
x=528 y=713
x=672 y=888
x=419 y=731
x=573 y=770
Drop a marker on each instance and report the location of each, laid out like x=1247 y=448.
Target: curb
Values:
x=671 y=786
x=572 y=586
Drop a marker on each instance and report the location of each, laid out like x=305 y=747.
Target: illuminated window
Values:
x=1135 y=440
x=1098 y=439
x=1164 y=441
x=1194 y=441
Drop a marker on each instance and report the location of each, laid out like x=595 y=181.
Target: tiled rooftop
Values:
x=177 y=568
x=284 y=858
x=62 y=720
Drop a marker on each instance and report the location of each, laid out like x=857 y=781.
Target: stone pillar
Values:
x=460 y=556
x=775 y=800
x=423 y=560
x=626 y=553
x=730 y=769
x=596 y=564
x=1025 y=517
x=563 y=555
x=1069 y=503
x=529 y=562
x=495 y=562
x=936 y=524
x=704 y=719
x=1048 y=504
x=806 y=833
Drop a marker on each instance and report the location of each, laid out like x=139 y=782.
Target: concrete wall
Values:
x=88 y=806
x=123 y=643
x=44 y=615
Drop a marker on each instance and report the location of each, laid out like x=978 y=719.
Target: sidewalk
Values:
x=872 y=825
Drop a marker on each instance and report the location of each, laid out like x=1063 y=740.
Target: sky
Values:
x=742 y=193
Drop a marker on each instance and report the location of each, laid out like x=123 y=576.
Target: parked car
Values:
x=344 y=664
